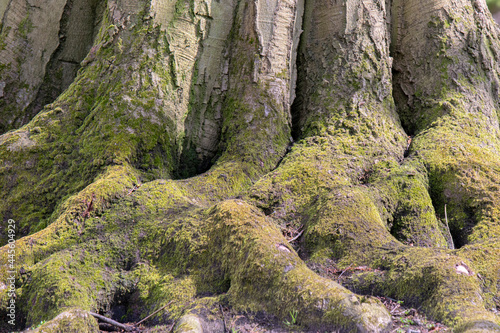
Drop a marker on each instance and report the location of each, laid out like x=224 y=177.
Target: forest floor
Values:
x=405 y=318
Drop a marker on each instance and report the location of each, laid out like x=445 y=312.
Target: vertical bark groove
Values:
x=28 y=38
x=78 y=29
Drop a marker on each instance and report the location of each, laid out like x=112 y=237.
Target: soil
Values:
x=405 y=320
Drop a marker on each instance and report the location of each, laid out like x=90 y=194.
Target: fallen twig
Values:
x=391 y=299
x=90 y=206
x=112 y=322
x=163 y=307
x=223 y=318
x=133 y=189
x=395 y=308
x=344 y=271
x=298 y=235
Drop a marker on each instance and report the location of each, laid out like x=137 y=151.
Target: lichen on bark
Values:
x=196 y=132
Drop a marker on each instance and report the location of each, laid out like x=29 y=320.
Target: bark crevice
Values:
x=78 y=29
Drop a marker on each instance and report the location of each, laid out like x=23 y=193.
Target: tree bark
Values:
x=176 y=142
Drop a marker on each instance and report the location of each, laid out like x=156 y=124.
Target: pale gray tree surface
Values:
x=197 y=153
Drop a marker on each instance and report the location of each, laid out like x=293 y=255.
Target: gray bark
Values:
x=179 y=142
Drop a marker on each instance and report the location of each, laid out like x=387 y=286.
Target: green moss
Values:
x=401 y=194
x=87 y=276
x=155 y=290
x=152 y=241
x=188 y=324
x=103 y=130
x=445 y=294
x=71 y=321
x=25 y=27
x=254 y=255
x=3 y=35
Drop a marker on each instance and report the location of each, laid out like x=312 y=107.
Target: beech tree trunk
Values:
x=165 y=153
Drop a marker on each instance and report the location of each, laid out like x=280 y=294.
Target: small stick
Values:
x=294 y=238
x=223 y=318
x=90 y=206
x=392 y=299
x=163 y=307
x=133 y=189
x=344 y=271
x=112 y=322
x=395 y=308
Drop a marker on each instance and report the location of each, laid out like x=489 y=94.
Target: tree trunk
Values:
x=163 y=151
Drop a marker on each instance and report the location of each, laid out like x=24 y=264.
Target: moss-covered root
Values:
x=347 y=225
x=447 y=96
x=56 y=280
x=480 y=326
x=255 y=257
x=106 y=117
x=449 y=288
x=485 y=259
x=115 y=182
x=68 y=279
x=464 y=180
x=70 y=321
x=401 y=194
x=188 y=324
